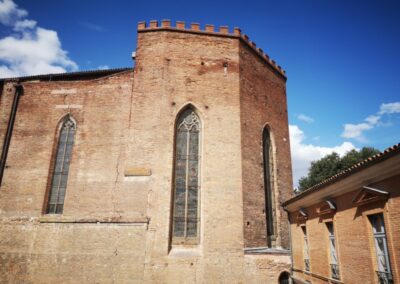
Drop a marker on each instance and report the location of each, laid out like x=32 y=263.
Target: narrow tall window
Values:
x=305 y=249
x=335 y=274
x=381 y=250
x=61 y=167
x=186 y=188
x=268 y=187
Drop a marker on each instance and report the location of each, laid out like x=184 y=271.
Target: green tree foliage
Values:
x=332 y=164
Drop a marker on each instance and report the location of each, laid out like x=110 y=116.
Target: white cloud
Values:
x=32 y=49
x=103 y=67
x=390 y=108
x=303 y=154
x=373 y=119
x=9 y=12
x=92 y=26
x=21 y=26
x=305 y=118
x=355 y=131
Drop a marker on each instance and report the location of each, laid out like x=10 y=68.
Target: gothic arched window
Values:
x=66 y=138
x=186 y=178
x=269 y=186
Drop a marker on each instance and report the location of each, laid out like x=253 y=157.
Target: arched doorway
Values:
x=284 y=278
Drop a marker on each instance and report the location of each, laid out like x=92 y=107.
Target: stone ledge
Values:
x=182 y=251
x=112 y=220
x=266 y=250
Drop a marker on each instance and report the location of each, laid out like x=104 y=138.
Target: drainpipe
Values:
x=18 y=92
x=290 y=245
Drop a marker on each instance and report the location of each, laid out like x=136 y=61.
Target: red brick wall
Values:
x=6 y=100
x=172 y=69
x=263 y=102
x=355 y=247
x=101 y=110
x=127 y=121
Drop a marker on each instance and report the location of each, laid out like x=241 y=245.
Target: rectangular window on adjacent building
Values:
x=305 y=250
x=334 y=263
x=382 y=255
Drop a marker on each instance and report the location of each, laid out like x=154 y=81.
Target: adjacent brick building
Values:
x=170 y=172
x=347 y=228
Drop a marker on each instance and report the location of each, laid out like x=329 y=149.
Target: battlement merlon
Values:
x=180 y=26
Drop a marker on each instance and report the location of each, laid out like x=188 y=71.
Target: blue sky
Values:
x=342 y=57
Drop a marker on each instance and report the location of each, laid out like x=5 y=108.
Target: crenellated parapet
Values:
x=194 y=27
x=223 y=31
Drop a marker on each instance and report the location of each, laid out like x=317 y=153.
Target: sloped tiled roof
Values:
x=89 y=74
x=389 y=152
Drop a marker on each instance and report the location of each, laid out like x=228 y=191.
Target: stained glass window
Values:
x=186 y=188
x=268 y=185
x=61 y=167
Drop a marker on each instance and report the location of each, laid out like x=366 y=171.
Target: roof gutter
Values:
x=386 y=154
x=7 y=139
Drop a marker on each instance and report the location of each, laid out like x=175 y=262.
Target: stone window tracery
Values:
x=62 y=161
x=186 y=178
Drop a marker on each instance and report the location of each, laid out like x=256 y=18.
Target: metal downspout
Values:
x=10 y=126
x=290 y=245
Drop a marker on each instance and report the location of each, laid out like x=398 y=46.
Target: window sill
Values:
x=56 y=218
x=185 y=251
x=266 y=250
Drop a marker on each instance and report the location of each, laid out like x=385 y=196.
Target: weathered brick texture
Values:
x=263 y=104
x=115 y=227
x=354 y=237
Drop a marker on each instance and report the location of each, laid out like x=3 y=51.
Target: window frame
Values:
x=383 y=276
x=333 y=254
x=269 y=185
x=185 y=239
x=54 y=164
x=306 y=249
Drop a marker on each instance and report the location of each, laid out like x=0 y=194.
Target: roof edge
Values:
x=68 y=75
x=382 y=156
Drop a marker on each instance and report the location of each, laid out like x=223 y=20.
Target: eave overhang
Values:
x=369 y=175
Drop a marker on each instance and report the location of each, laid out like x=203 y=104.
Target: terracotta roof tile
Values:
x=389 y=152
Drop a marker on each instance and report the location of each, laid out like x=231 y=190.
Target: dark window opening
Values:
x=268 y=187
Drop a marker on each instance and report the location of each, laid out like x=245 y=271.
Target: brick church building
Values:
x=169 y=172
